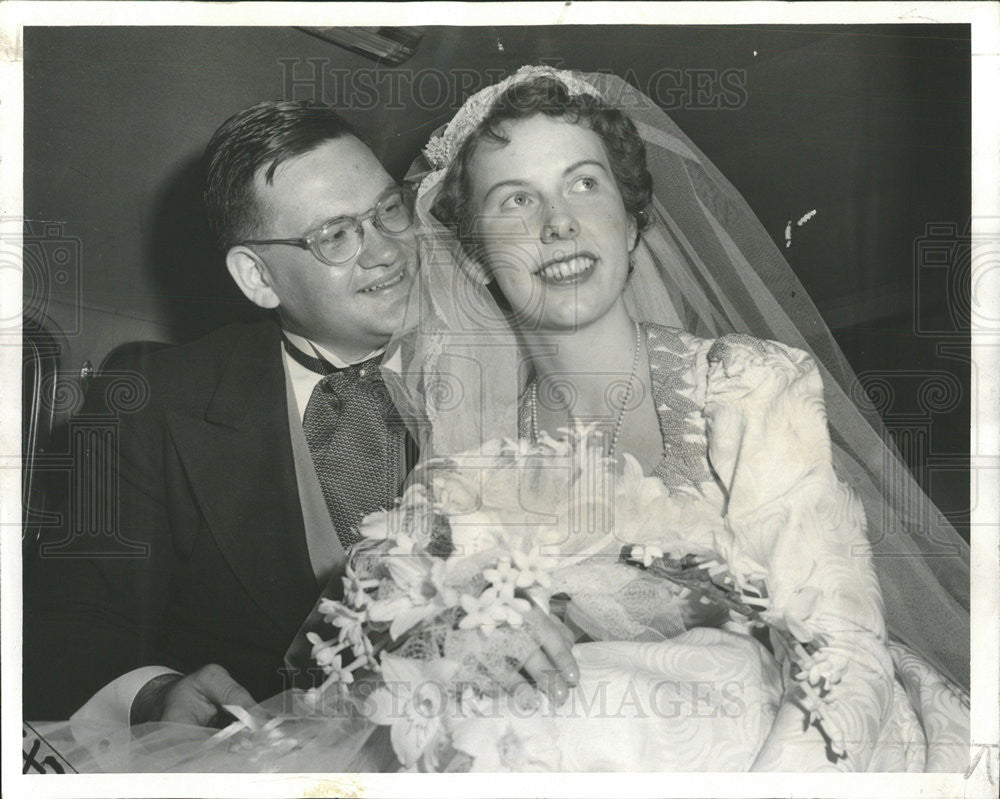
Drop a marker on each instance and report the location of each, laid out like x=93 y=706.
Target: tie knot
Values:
x=366 y=370
x=359 y=382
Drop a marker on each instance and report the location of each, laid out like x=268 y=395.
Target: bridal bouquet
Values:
x=443 y=596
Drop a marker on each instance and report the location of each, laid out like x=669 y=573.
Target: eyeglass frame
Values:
x=309 y=240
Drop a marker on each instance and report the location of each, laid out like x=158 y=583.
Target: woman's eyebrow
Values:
x=585 y=162
x=571 y=168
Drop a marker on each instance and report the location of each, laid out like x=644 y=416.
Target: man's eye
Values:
x=518 y=200
x=585 y=183
x=335 y=234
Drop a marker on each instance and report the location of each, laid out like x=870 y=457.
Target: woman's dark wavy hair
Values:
x=549 y=96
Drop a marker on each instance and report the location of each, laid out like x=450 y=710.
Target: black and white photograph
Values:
x=557 y=399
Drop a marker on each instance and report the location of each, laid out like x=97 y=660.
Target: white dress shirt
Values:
x=113 y=702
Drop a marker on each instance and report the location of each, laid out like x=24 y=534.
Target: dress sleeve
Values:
x=787 y=510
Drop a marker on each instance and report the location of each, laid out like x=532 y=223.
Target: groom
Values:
x=261 y=447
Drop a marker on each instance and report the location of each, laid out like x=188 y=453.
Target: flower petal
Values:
x=410 y=737
x=408 y=618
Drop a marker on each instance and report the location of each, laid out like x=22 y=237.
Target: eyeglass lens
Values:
x=341 y=240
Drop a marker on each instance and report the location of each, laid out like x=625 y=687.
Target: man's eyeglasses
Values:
x=339 y=240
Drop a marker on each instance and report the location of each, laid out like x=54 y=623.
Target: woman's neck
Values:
x=585 y=361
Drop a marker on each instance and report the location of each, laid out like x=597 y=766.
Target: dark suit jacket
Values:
x=207 y=486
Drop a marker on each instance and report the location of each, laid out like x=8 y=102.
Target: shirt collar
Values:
x=308 y=347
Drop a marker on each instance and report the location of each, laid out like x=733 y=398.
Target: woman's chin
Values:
x=570 y=322
x=569 y=308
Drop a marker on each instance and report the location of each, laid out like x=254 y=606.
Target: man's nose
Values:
x=559 y=224
x=380 y=248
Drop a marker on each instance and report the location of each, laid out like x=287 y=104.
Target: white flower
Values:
x=412 y=702
x=424 y=592
x=504 y=578
x=794 y=616
x=823 y=670
x=532 y=566
x=376 y=526
x=510 y=742
x=489 y=610
x=356 y=588
x=350 y=623
x=341 y=615
x=327 y=657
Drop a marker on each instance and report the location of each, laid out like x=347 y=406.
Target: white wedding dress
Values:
x=744 y=431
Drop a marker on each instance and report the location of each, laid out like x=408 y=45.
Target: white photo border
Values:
x=984 y=771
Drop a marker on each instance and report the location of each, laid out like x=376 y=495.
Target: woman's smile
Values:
x=561 y=271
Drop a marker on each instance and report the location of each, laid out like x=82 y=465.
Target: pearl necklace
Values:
x=625 y=400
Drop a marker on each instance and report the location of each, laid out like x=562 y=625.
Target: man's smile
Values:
x=384 y=283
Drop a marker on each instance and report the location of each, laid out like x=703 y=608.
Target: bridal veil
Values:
x=706 y=265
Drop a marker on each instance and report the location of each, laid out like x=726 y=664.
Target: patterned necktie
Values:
x=358 y=454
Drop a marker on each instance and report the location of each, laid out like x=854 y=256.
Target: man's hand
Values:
x=551 y=667
x=196 y=699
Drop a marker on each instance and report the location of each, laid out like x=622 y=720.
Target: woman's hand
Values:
x=696 y=613
x=551 y=667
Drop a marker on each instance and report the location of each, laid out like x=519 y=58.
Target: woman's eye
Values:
x=584 y=184
x=519 y=200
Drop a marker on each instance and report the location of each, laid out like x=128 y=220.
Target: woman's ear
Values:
x=250 y=273
x=632 y=232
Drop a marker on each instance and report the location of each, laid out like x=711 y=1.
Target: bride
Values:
x=561 y=277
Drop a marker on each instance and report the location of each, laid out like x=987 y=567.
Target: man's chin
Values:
x=390 y=317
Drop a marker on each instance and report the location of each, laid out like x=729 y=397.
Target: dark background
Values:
x=869 y=125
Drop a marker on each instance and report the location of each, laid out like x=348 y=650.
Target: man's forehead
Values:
x=339 y=177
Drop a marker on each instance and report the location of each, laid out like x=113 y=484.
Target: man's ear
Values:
x=251 y=275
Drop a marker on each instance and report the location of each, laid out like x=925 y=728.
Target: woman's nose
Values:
x=560 y=224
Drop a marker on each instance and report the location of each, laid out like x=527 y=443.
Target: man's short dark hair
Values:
x=264 y=135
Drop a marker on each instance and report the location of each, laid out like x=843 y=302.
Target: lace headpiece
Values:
x=442 y=149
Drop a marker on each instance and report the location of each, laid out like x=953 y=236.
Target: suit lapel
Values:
x=238 y=458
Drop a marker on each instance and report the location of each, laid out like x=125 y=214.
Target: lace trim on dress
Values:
x=673 y=362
